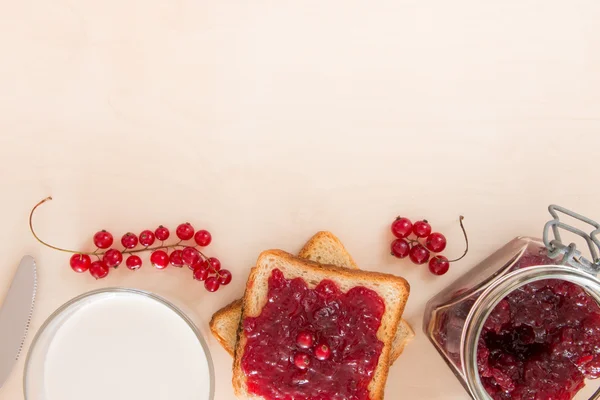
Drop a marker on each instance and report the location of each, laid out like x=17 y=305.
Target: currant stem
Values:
x=47 y=244
x=460 y=220
x=95 y=252
x=168 y=246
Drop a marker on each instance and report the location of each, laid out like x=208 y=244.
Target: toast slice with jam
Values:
x=325 y=248
x=350 y=316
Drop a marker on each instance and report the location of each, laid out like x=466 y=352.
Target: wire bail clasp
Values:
x=571 y=255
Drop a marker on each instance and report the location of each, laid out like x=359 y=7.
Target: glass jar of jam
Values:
x=525 y=322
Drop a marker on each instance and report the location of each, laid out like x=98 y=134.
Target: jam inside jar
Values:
x=541 y=341
x=520 y=326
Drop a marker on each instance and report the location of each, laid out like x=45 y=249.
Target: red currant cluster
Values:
x=178 y=254
x=418 y=242
x=305 y=340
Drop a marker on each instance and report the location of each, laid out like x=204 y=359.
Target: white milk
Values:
x=125 y=347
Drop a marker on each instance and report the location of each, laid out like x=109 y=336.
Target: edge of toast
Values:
x=230 y=311
x=310 y=250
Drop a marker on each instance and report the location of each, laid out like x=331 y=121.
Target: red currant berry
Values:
x=112 y=258
x=421 y=229
x=304 y=340
x=436 y=242
x=80 y=262
x=439 y=265
x=211 y=284
x=159 y=259
x=400 y=248
x=190 y=256
x=200 y=274
x=185 y=231
x=129 y=240
x=103 y=239
x=322 y=352
x=176 y=259
x=99 y=270
x=301 y=360
x=401 y=227
x=419 y=254
x=200 y=264
x=162 y=233
x=203 y=238
x=146 y=238
x=133 y=262
x=224 y=277
x=214 y=265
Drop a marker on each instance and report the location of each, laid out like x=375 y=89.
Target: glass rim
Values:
x=65 y=306
x=497 y=291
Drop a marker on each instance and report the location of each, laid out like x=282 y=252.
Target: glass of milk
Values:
x=118 y=344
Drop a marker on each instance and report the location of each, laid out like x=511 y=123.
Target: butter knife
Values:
x=15 y=315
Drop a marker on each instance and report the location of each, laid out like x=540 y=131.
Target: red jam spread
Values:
x=313 y=343
x=541 y=341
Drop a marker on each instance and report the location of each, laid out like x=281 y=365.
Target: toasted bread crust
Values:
x=310 y=248
x=404 y=335
x=376 y=387
x=231 y=310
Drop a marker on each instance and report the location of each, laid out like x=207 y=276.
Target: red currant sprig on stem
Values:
x=206 y=269
x=419 y=251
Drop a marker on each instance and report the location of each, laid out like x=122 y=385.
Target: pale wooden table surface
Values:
x=266 y=121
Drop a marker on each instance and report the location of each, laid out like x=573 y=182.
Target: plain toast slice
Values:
x=393 y=290
x=224 y=325
x=325 y=248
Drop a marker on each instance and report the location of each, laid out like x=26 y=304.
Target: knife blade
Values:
x=15 y=315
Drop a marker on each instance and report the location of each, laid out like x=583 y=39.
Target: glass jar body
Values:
x=454 y=318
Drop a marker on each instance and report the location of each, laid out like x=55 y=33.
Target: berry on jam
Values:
x=322 y=352
x=305 y=340
x=344 y=325
x=301 y=360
